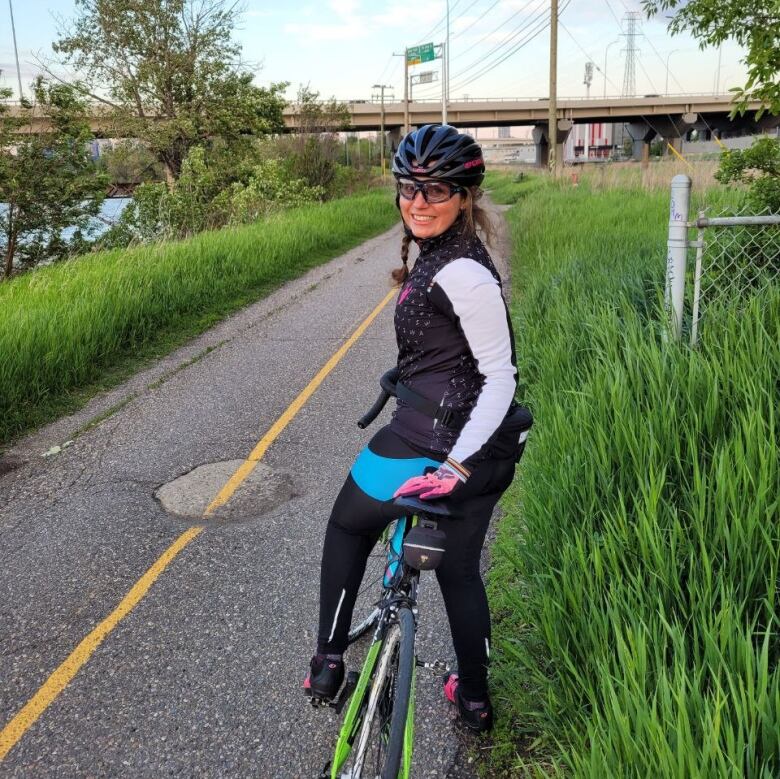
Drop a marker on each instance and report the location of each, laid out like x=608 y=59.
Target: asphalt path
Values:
x=203 y=676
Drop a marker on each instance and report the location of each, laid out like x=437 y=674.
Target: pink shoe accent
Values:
x=450 y=686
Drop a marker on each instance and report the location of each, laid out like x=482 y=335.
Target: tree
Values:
x=47 y=179
x=754 y=24
x=173 y=76
x=314 y=148
x=759 y=169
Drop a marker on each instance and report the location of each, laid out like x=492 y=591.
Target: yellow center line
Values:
x=60 y=679
x=254 y=456
x=65 y=672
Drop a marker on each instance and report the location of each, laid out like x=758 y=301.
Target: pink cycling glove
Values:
x=439 y=484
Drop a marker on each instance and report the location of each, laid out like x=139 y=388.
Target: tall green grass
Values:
x=66 y=326
x=635 y=575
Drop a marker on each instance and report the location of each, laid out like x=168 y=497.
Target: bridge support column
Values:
x=641 y=137
x=542 y=141
x=394 y=136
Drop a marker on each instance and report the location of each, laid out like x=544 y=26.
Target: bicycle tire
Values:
x=391 y=688
x=365 y=610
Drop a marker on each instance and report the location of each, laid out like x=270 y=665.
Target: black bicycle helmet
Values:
x=439 y=151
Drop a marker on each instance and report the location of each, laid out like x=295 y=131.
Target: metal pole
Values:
x=16 y=51
x=382 y=127
x=406 y=91
x=552 y=116
x=444 y=83
x=381 y=88
x=673 y=51
x=677 y=252
x=447 y=51
x=697 y=283
x=717 y=76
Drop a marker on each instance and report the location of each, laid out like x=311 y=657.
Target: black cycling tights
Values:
x=363 y=509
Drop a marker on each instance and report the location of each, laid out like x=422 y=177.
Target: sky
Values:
x=341 y=48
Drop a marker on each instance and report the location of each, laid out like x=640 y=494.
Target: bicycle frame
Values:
x=399 y=587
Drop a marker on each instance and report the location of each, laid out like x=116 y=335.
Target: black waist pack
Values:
x=508 y=442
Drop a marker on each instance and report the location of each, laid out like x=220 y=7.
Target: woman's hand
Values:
x=439 y=484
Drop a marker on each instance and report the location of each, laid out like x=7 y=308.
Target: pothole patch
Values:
x=190 y=495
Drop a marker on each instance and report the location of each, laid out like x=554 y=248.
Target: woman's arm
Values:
x=468 y=293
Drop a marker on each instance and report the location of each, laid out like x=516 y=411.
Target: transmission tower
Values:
x=631 y=25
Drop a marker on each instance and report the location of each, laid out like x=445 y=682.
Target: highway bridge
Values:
x=668 y=116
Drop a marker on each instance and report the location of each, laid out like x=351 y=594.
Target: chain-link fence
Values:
x=737 y=257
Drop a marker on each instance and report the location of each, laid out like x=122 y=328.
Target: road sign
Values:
x=415 y=55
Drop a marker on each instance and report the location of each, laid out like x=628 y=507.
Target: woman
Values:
x=456 y=358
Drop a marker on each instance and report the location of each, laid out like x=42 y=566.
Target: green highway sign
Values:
x=415 y=55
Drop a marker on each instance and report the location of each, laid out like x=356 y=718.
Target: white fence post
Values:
x=677 y=252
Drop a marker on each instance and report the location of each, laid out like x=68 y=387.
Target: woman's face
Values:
x=427 y=220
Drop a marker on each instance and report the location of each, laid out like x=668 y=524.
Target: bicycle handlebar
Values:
x=387 y=382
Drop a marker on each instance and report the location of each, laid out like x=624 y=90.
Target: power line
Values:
x=579 y=46
x=503 y=42
x=425 y=38
x=476 y=21
x=506 y=41
x=614 y=15
x=541 y=26
x=492 y=32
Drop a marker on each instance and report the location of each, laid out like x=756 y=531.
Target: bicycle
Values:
x=377 y=732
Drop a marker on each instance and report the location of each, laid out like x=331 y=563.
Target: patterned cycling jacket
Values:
x=455 y=345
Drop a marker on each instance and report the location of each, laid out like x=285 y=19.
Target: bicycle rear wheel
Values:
x=377 y=751
x=366 y=611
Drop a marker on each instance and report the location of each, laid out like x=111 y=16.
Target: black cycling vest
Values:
x=446 y=322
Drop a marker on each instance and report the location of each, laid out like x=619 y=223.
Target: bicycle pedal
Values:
x=436 y=667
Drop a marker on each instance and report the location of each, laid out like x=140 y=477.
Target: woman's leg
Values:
x=362 y=510
x=461 y=583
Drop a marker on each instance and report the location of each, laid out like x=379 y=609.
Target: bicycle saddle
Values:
x=435 y=507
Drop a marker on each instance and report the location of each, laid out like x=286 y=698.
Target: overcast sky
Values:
x=343 y=47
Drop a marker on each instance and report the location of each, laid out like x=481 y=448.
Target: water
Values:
x=110 y=211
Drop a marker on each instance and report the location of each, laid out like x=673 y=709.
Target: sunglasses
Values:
x=432 y=191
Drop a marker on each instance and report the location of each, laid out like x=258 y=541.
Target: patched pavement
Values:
x=203 y=676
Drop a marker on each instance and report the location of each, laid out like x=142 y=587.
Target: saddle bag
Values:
x=424 y=545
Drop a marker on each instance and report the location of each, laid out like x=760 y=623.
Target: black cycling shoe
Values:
x=324 y=678
x=475 y=715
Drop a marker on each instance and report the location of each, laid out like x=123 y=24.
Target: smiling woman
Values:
x=456 y=385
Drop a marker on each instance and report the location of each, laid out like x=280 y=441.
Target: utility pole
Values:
x=382 y=88
x=552 y=116
x=16 y=51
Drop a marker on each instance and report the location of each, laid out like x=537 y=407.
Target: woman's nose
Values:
x=418 y=199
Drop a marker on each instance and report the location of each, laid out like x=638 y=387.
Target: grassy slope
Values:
x=634 y=583
x=71 y=329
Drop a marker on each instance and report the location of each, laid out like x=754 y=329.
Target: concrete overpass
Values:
x=670 y=116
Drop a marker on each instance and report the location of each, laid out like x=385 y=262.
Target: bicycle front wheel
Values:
x=380 y=741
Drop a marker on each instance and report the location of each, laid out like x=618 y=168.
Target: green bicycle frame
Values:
x=351 y=718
